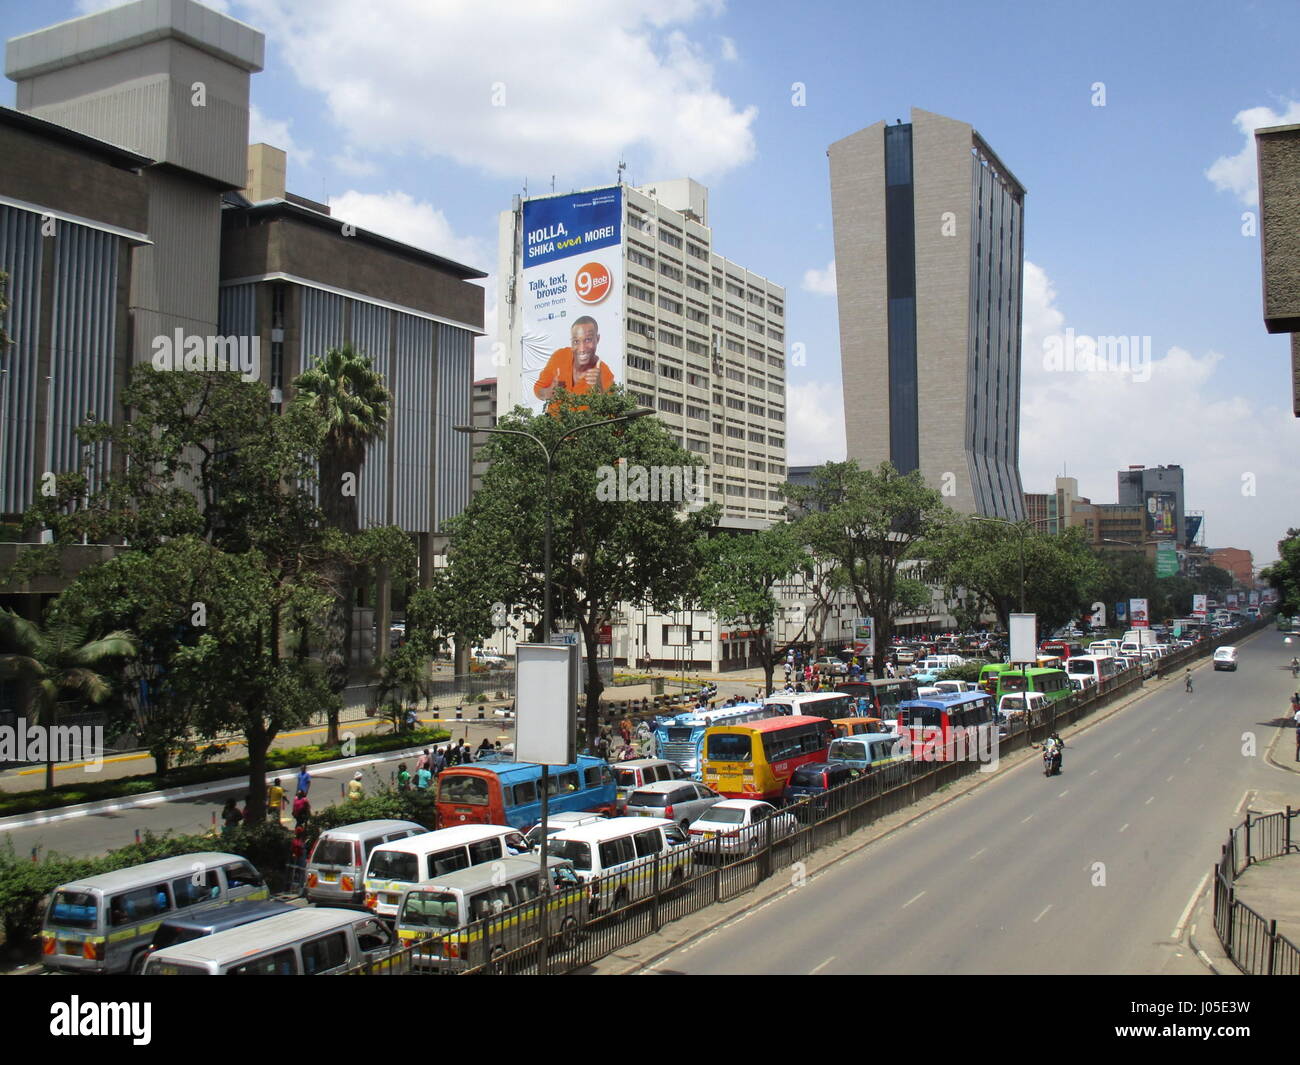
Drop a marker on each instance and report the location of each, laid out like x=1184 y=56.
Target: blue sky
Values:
x=1133 y=217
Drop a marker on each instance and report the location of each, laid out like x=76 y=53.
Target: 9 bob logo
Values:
x=592 y=282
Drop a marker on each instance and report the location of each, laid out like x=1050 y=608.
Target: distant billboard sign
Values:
x=864 y=636
x=1162 y=514
x=571 y=295
x=1137 y=611
x=1166 y=559
x=1199 y=606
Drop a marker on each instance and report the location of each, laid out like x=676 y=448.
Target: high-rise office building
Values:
x=691 y=334
x=1159 y=491
x=929 y=248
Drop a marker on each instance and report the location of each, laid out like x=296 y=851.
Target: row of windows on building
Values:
x=673 y=269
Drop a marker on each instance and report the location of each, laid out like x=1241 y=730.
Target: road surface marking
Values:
x=1149 y=801
x=912 y=900
x=1244 y=799
x=1153 y=730
x=1187 y=759
x=977 y=854
x=1117 y=754
x=1201 y=747
x=1169 y=778
x=1043 y=914
x=1027 y=819
x=1187 y=910
x=1125 y=826
x=822 y=965
x=1093 y=773
x=1064 y=793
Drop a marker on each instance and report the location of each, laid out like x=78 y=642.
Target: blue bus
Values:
x=678 y=739
x=509 y=793
x=879 y=698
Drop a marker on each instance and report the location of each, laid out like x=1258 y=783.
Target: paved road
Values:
x=1088 y=872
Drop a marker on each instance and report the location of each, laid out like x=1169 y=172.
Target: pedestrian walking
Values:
x=356 y=790
x=403 y=777
x=304 y=780
x=423 y=761
x=301 y=809
x=439 y=760
x=625 y=730
x=298 y=846
x=231 y=818
x=423 y=778
x=274 y=801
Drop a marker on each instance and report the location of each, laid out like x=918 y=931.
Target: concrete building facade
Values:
x=929 y=249
x=1278 y=150
x=1150 y=487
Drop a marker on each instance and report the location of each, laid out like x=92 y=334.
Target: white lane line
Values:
x=1244 y=799
x=1093 y=773
x=1149 y=801
x=977 y=854
x=822 y=965
x=912 y=900
x=1187 y=910
x=1027 y=819
x=1187 y=759
x=1124 y=826
x=1201 y=747
x=1153 y=730
x=1064 y=793
x=1117 y=754
x=1169 y=778
x=1043 y=914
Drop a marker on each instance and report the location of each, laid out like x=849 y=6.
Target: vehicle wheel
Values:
x=495 y=965
x=753 y=847
x=676 y=879
x=137 y=963
x=619 y=908
x=568 y=933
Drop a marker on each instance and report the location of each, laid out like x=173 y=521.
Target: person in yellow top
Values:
x=577 y=369
x=356 y=790
x=274 y=801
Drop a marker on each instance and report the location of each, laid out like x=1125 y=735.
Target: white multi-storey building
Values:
x=703 y=343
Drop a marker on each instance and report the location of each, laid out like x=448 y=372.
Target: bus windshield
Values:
x=730 y=747
x=455 y=787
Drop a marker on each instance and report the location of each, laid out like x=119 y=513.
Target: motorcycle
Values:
x=1051 y=762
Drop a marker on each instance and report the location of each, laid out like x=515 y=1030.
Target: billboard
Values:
x=1166 y=559
x=864 y=636
x=1023 y=638
x=571 y=295
x=1199 y=606
x=1161 y=517
x=1137 y=612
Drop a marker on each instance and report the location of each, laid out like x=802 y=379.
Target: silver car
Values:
x=739 y=826
x=682 y=801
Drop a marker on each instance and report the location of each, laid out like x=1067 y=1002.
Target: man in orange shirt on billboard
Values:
x=577 y=368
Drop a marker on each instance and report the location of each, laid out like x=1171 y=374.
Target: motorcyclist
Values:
x=1052 y=751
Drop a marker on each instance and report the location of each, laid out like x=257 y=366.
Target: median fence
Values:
x=1251 y=940
x=581 y=926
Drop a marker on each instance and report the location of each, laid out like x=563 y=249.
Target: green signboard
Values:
x=1166 y=559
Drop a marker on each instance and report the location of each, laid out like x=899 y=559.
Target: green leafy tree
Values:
x=1216 y=581
x=738 y=577
x=867 y=524
x=58 y=664
x=1127 y=575
x=1060 y=571
x=609 y=547
x=349 y=395
x=1284 y=575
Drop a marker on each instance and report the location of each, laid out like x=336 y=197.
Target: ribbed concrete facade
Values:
x=928 y=254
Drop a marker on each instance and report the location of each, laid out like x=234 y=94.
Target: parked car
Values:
x=1225 y=658
x=481 y=657
x=834 y=666
x=739 y=826
x=682 y=801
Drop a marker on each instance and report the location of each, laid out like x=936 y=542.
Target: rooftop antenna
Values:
x=552 y=184
x=622 y=165
x=525 y=188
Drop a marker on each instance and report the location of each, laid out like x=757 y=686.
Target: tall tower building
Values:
x=691 y=334
x=929 y=249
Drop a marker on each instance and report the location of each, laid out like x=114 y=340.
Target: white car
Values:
x=739 y=826
x=1225 y=658
x=485 y=658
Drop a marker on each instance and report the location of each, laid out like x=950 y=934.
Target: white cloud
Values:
x=1093 y=424
x=729 y=52
x=515 y=89
x=822 y=282
x=814 y=418
x=89 y=7
x=1239 y=174
x=400 y=216
x=272 y=131
x=349 y=163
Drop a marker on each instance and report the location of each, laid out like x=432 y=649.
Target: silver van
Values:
x=104 y=923
x=311 y=941
x=337 y=866
x=638 y=772
x=474 y=916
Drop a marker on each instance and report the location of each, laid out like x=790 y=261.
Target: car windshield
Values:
x=807 y=777
x=724 y=815
x=393 y=865
x=430 y=909
x=648 y=798
x=625 y=778
x=576 y=852
x=332 y=852
x=854 y=752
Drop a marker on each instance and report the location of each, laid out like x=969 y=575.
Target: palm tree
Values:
x=345 y=390
x=59 y=663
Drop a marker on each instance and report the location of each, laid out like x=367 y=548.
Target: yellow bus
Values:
x=755 y=761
